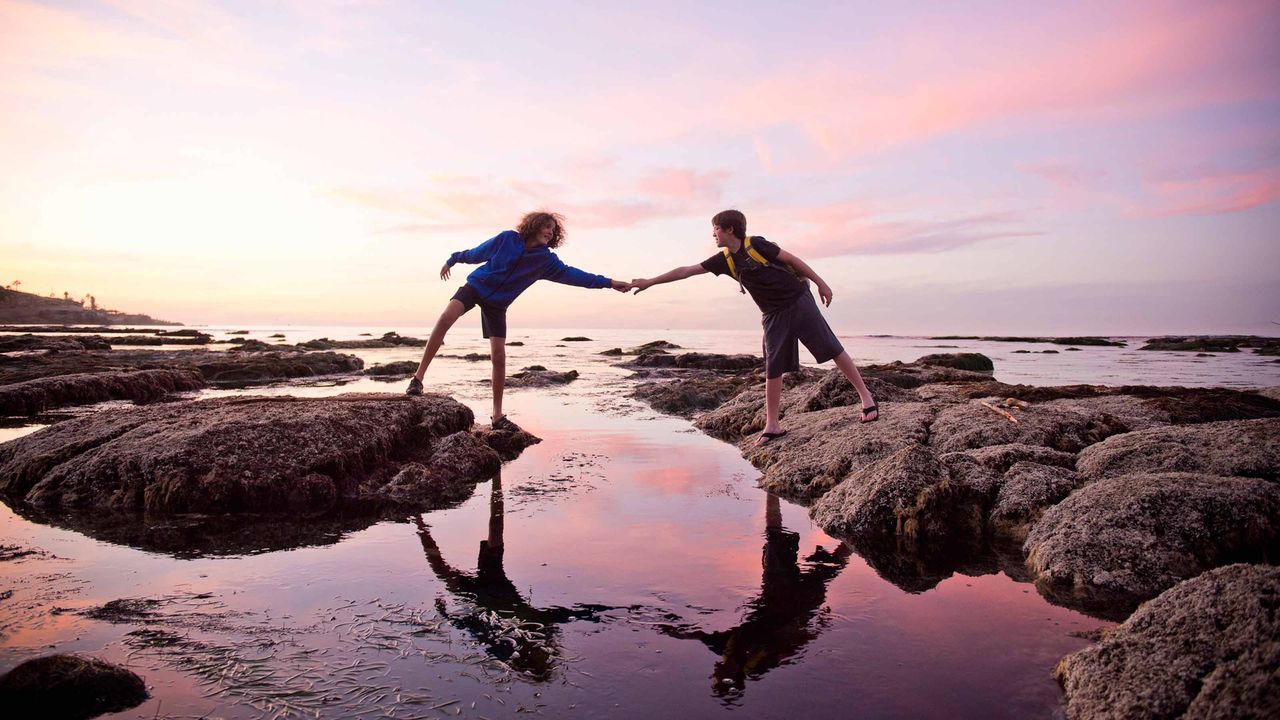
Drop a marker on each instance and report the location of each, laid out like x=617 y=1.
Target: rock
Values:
x=1073 y=349
x=1121 y=540
x=69 y=686
x=829 y=445
x=29 y=342
x=459 y=461
x=1191 y=344
x=276 y=335
x=835 y=390
x=976 y=362
x=507 y=443
x=1207 y=648
x=1002 y=457
x=229 y=368
x=1069 y=429
x=1249 y=448
x=388 y=340
x=229 y=455
x=1026 y=491
x=538 y=376
x=694 y=393
x=469 y=357
x=515 y=343
x=1271 y=393
x=612 y=352
x=36 y=396
x=907 y=495
x=576 y=338
x=1048 y=352
x=913 y=375
x=397 y=369
x=701 y=361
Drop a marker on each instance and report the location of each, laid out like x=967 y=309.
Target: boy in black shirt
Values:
x=777 y=282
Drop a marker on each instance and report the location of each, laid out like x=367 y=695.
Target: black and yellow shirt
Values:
x=772 y=286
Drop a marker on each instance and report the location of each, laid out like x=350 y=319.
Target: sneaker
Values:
x=415 y=387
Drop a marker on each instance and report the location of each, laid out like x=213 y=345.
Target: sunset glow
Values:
x=992 y=168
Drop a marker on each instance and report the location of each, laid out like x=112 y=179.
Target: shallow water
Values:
x=628 y=566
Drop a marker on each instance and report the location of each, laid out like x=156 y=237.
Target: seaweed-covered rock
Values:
x=507 y=443
x=692 y=393
x=458 y=462
x=700 y=361
x=976 y=362
x=973 y=425
x=835 y=390
x=1002 y=457
x=227 y=368
x=399 y=369
x=908 y=494
x=1207 y=648
x=30 y=342
x=1121 y=540
x=913 y=375
x=35 y=396
x=69 y=686
x=828 y=445
x=1027 y=489
x=228 y=455
x=1249 y=448
x=538 y=376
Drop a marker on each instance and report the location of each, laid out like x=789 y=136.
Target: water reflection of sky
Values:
x=648 y=572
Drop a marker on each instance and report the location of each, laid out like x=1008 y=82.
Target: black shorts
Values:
x=493 y=319
x=799 y=322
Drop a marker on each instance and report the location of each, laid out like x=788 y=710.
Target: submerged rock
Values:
x=69 y=686
x=35 y=396
x=692 y=393
x=232 y=455
x=1207 y=648
x=1116 y=542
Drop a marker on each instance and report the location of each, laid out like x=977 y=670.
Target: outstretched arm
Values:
x=679 y=273
x=480 y=253
x=824 y=290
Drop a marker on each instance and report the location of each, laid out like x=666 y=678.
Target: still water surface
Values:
x=628 y=566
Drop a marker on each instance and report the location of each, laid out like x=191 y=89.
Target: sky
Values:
x=978 y=167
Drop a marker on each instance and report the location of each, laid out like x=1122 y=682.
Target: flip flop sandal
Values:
x=504 y=423
x=868 y=410
x=766 y=438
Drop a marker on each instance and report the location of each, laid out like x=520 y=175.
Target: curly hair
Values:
x=733 y=221
x=532 y=224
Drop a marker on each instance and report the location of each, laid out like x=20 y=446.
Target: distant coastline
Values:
x=20 y=308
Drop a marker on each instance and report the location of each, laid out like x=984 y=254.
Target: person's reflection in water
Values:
x=497 y=615
x=779 y=621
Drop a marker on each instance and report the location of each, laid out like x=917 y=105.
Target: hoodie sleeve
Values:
x=484 y=251
x=557 y=271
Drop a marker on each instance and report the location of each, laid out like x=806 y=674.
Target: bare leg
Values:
x=498 y=351
x=772 y=404
x=452 y=312
x=845 y=363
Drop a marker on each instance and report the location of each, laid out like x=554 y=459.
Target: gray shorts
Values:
x=785 y=329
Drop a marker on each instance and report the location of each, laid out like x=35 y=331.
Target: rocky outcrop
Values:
x=29 y=342
x=695 y=361
x=974 y=425
x=442 y=483
x=1249 y=448
x=1207 y=648
x=388 y=340
x=69 y=686
x=35 y=396
x=977 y=362
x=538 y=376
x=400 y=369
x=1027 y=489
x=1121 y=540
x=236 y=455
x=240 y=368
x=692 y=393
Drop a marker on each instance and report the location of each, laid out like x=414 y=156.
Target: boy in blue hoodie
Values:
x=777 y=281
x=512 y=261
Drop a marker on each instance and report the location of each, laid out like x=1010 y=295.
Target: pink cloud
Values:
x=1215 y=193
x=1066 y=175
x=839 y=230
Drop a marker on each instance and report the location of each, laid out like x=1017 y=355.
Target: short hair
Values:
x=732 y=220
x=532 y=224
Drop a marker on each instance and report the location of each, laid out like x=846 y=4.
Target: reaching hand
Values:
x=444 y=272
x=641 y=284
x=824 y=292
x=620 y=286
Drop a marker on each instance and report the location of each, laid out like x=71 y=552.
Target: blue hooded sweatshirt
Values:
x=509 y=269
